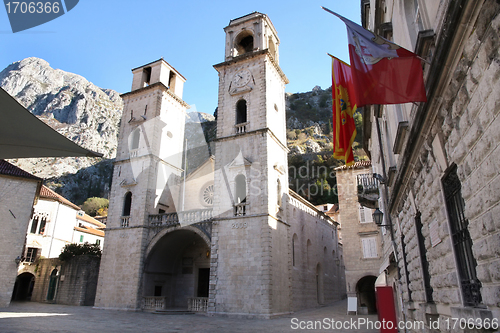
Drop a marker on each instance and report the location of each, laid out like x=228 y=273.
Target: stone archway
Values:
x=23 y=287
x=365 y=289
x=177 y=268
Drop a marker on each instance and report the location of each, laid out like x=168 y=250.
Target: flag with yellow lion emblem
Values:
x=344 y=106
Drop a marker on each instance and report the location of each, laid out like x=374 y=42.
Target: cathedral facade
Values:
x=226 y=237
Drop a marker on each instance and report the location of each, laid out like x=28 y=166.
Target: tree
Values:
x=72 y=250
x=92 y=205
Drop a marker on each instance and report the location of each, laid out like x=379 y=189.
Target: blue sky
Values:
x=104 y=40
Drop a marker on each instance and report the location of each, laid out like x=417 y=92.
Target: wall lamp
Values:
x=378 y=217
x=18 y=260
x=380 y=178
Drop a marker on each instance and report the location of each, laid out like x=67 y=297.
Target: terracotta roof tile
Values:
x=90 y=231
x=11 y=170
x=90 y=219
x=46 y=192
x=356 y=165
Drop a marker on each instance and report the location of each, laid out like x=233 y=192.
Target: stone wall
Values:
x=356 y=266
x=16 y=201
x=78 y=281
x=462 y=130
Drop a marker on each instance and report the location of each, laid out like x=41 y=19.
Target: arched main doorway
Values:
x=178 y=267
x=365 y=289
x=23 y=288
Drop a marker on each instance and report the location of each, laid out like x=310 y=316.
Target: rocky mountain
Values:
x=198 y=117
x=90 y=116
x=76 y=108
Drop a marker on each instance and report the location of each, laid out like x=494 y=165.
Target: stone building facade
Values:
x=439 y=159
x=19 y=190
x=361 y=238
x=227 y=237
x=55 y=222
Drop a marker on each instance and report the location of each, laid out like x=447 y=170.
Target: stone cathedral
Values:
x=227 y=237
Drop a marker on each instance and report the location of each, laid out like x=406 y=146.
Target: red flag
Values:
x=344 y=106
x=383 y=72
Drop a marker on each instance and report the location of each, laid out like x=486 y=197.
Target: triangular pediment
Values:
x=128 y=182
x=240 y=161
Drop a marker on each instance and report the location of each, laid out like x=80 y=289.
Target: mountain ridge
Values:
x=90 y=116
x=69 y=103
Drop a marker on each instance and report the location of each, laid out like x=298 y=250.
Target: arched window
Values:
x=127 y=204
x=43 y=222
x=135 y=137
x=34 y=224
x=241 y=111
x=244 y=43
x=240 y=189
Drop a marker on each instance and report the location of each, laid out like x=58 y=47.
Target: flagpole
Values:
x=341 y=17
x=424 y=60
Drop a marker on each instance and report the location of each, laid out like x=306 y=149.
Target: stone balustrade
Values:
x=124 y=221
x=153 y=303
x=241 y=128
x=198 y=304
x=240 y=209
x=187 y=217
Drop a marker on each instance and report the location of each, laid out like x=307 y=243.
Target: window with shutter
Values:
x=369 y=247
x=365 y=215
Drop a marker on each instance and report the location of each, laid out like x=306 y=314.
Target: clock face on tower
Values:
x=241 y=78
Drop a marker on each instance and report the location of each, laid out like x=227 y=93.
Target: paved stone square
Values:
x=40 y=317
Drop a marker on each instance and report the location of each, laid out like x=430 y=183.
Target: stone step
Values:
x=174 y=312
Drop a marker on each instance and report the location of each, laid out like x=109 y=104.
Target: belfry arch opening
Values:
x=240 y=184
x=241 y=111
x=244 y=43
x=177 y=269
x=127 y=204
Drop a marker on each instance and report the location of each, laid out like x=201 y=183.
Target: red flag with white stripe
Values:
x=383 y=72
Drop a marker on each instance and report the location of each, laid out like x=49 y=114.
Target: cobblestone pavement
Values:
x=39 y=317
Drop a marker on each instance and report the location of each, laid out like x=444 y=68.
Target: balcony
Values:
x=241 y=128
x=124 y=221
x=240 y=209
x=187 y=217
x=368 y=192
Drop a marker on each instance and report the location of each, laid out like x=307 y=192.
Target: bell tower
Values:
x=250 y=236
x=145 y=176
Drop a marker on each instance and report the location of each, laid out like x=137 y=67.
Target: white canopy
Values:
x=23 y=135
